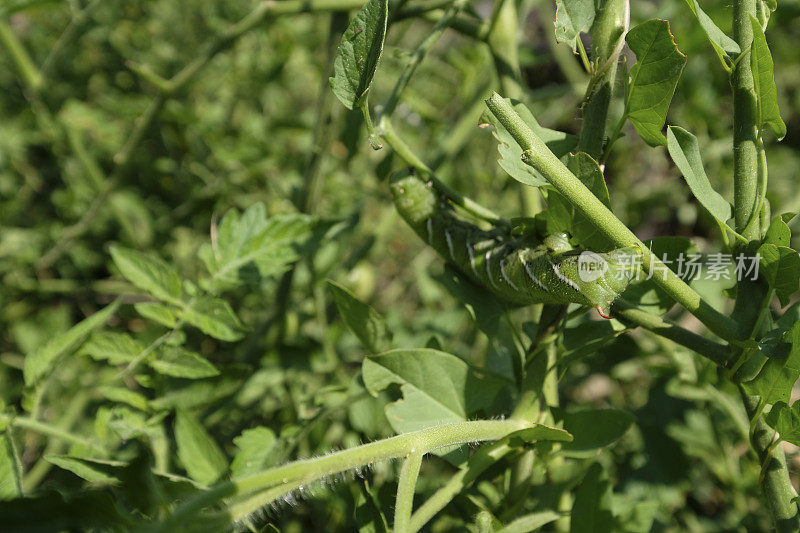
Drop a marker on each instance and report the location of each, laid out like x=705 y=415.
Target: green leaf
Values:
x=214 y=316
x=365 y=323
x=359 y=53
x=181 y=363
x=126 y=396
x=42 y=362
x=776 y=378
x=591 y=510
x=778 y=232
x=530 y=522
x=539 y=432
x=150 y=274
x=766 y=93
x=786 y=421
x=255 y=451
x=722 y=44
x=92 y=470
x=655 y=75
x=595 y=428
x=510 y=152
x=780 y=267
x=573 y=17
x=685 y=153
x=583 y=229
x=116 y=348
x=200 y=455
x=159 y=313
x=437 y=387
x=250 y=247
x=10 y=469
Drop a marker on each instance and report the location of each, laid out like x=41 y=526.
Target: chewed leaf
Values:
x=573 y=17
x=775 y=380
x=655 y=75
x=359 y=52
x=685 y=153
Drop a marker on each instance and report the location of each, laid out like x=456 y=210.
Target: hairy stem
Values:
x=404 y=503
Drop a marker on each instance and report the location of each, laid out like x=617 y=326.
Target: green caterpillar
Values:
x=551 y=272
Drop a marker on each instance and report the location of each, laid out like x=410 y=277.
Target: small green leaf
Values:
x=778 y=232
x=786 y=421
x=780 y=267
x=591 y=510
x=366 y=323
x=655 y=75
x=573 y=17
x=10 y=469
x=92 y=470
x=255 y=451
x=359 y=53
x=157 y=312
x=200 y=455
x=766 y=93
x=41 y=362
x=595 y=428
x=214 y=316
x=116 y=348
x=150 y=274
x=530 y=522
x=510 y=152
x=722 y=43
x=250 y=247
x=437 y=387
x=776 y=378
x=685 y=153
x=126 y=396
x=181 y=363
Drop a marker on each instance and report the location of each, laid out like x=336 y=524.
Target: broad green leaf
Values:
x=255 y=451
x=591 y=510
x=157 y=312
x=595 y=428
x=93 y=470
x=126 y=396
x=41 y=362
x=200 y=455
x=250 y=247
x=180 y=394
x=510 y=152
x=181 y=363
x=214 y=316
x=655 y=75
x=786 y=421
x=685 y=153
x=778 y=232
x=114 y=347
x=780 y=267
x=10 y=469
x=539 y=432
x=150 y=274
x=776 y=378
x=584 y=230
x=766 y=93
x=365 y=323
x=359 y=53
x=437 y=387
x=722 y=43
x=573 y=17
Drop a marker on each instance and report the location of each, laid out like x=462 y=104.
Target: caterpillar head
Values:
x=414 y=197
x=602 y=277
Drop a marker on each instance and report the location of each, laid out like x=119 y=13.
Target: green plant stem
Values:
x=503 y=44
x=71 y=33
x=308 y=470
x=407 y=154
x=714 y=351
x=485 y=457
x=406 y=484
x=19 y=56
x=536 y=154
x=775 y=484
x=49 y=430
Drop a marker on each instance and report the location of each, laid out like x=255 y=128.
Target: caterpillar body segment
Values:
x=551 y=272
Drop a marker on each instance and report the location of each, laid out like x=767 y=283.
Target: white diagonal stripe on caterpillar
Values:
x=562 y=277
x=488 y=257
x=449 y=239
x=505 y=276
x=533 y=277
x=471 y=258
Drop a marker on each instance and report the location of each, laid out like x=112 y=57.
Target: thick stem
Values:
x=539 y=156
x=406 y=485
